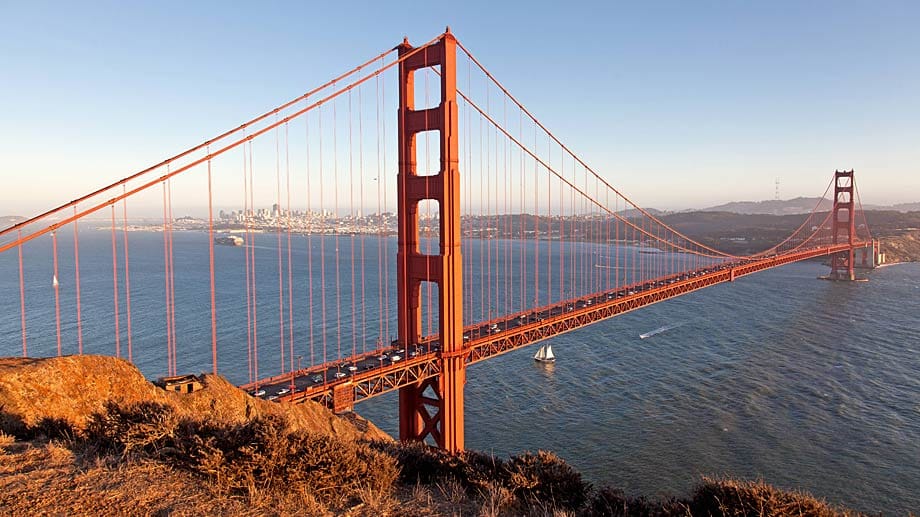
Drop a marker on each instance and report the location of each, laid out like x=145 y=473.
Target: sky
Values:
x=677 y=104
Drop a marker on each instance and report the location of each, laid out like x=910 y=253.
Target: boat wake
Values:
x=659 y=330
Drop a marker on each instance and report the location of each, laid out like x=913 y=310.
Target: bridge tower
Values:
x=432 y=408
x=844 y=225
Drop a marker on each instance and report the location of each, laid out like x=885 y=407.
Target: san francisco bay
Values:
x=804 y=383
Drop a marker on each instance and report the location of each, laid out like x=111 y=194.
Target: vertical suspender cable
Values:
x=290 y=298
x=56 y=284
x=335 y=215
x=22 y=298
x=246 y=218
x=310 y=230
x=278 y=217
x=124 y=209
x=211 y=271
x=172 y=282
x=381 y=332
x=169 y=360
x=115 y=287
x=252 y=276
x=360 y=207
x=76 y=268
x=351 y=210
x=322 y=243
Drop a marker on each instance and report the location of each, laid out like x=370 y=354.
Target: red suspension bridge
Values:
x=503 y=237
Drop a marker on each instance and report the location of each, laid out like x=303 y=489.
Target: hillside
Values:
x=904 y=247
x=95 y=438
x=799 y=205
x=67 y=391
x=750 y=233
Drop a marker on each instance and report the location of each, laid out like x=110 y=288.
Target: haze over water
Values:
x=807 y=384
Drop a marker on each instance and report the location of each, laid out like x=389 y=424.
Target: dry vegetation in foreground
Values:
x=144 y=458
x=221 y=452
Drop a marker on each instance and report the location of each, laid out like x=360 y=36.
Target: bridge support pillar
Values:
x=844 y=226
x=431 y=409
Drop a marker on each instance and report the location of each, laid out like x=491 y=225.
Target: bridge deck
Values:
x=340 y=383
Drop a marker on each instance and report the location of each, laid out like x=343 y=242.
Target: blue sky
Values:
x=678 y=104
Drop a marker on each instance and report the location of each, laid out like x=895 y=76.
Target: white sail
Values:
x=545 y=354
x=54 y=281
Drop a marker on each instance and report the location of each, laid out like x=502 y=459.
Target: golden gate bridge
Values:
x=504 y=237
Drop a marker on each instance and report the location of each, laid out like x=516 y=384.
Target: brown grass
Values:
x=717 y=497
x=734 y=498
x=48 y=479
x=221 y=452
x=57 y=396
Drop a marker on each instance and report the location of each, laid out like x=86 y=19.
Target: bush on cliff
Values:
x=252 y=458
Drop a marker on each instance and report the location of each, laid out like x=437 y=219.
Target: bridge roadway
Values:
x=338 y=384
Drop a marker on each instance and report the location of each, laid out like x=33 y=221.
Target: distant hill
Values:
x=799 y=205
x=905 y=207
x=632 y=212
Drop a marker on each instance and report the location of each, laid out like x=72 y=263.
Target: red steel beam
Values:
x=417 y=370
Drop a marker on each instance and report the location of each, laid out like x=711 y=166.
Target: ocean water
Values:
x=806 y=384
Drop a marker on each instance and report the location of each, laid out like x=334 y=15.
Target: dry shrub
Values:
x=47 y=428
x=546 y=478
x=496 y=499
x=6 y=440
x=421 y=495
x=376 y=502
x=538 y=480
x=260 y=459
x=138 y=427
x=615 y=503
x=265 y=455
x=452 y=490
x=734 y=498
x=421 y=463
x=716 y=498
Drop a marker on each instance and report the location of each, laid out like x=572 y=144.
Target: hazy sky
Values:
x=678 y=104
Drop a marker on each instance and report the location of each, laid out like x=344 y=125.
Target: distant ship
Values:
x=545 y=355
x=229 y=240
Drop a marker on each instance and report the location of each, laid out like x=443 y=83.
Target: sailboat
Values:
x=54 y=281
x=545 y=354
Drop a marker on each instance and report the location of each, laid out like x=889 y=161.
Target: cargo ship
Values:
x=229 y=240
